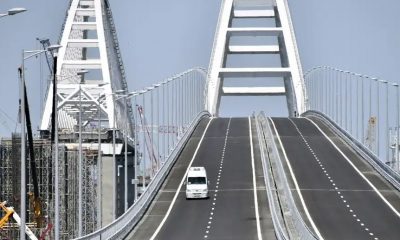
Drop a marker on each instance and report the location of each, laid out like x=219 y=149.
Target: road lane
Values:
x=341 y=203
x=229 y=213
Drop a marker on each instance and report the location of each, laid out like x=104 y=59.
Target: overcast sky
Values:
x=159 y=38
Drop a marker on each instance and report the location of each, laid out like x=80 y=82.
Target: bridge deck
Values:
x=340 y=201
x=229 y=213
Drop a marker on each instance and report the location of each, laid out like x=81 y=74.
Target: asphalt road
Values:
x=341 y=203
x=230 y=212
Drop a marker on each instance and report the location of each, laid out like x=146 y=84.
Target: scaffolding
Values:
x=10 y=165
x=68 y=187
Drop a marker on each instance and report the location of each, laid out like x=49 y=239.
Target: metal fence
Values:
x=365 y=107
x=165 y=115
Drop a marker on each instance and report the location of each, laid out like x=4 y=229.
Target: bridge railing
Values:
x=287 y=220
x=365 y=107
x=165 y=115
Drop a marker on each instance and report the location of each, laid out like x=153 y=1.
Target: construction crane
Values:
x=36 y=202
x=9 y=212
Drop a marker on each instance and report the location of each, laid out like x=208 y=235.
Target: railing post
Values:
x=397 y=126
x=168 y=116
x=387 y=121
x=351 y=103
x=337 y=95
x=136 y=146
x=339 y=74
x=346 y=101
x=143 y=148
x=378 y=117
x=362 y=109
x=357 y=107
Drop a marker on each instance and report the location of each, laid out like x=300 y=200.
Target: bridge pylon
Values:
x=89 y=70
x=91 y=86
x=248 y=28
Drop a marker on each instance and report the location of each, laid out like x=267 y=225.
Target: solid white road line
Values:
x=180 y=185
x=296 y=184
x=357 y=170
x=254 y=184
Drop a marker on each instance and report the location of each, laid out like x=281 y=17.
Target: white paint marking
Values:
x=296 y=184
x=357 y=170
x=254 y=183
x=180 y=185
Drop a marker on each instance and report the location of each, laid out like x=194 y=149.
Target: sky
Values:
x=160 y=38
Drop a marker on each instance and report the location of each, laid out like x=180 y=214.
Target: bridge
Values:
x=112 y=163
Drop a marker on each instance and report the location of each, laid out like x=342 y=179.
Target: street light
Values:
x=23 y=133
x=12 y=11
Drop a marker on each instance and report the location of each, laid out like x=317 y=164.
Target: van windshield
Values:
x=196 y=180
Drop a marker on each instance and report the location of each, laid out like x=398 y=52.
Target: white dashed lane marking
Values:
x=208 y=227
x=341 y=197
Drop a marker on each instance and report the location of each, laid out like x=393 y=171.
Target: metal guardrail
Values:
x=126 y=222
x=295 y=225
x=273 y=198
x=386 y=171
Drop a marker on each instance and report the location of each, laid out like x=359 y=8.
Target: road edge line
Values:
x=254 y=183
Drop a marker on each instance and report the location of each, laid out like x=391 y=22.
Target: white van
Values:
x=197 y=183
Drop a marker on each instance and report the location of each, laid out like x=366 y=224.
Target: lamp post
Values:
x=158 y=124
x=99 y=162
x=397 y=164
x=12 y=11
x=151 y=155
x=25 y=56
